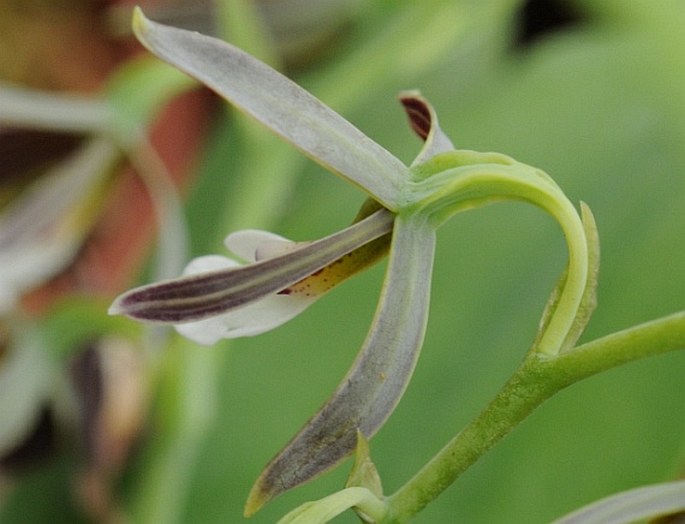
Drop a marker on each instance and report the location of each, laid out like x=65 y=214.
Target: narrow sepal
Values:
x=372 y=388
x=279 y=104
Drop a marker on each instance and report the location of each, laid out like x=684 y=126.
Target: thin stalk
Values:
x=535 y=381
x=645 y=340
x=524 y=391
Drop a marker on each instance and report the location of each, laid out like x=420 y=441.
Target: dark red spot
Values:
x=419 y=115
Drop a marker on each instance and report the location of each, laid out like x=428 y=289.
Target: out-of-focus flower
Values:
x=42 y=230
x=91 y=169
x=112 y=390
x=60 y=149
x=26 y=383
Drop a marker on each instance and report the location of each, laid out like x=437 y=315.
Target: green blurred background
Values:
x=599 y=104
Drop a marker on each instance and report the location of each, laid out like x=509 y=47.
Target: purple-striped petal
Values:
x=202 y=296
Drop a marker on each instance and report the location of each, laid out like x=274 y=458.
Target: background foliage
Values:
x=598 y=103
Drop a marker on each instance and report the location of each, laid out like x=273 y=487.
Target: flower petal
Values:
x=424 y=122
x=208 y=263
x=197 y=297
x=253 y=319
x=281 y=105
x=377 y=380
x=253 y=245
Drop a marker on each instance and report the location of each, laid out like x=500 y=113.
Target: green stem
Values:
x=185 y=410
x=524 y=391
x=645 y=340
x=467 y=179
x=535 y=381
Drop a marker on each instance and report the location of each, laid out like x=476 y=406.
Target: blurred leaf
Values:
x=74 y=321
x=25 y=382
x=631 y=506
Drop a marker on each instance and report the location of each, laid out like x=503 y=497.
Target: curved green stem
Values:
x=536 y=380
x=516 y=400
x=478 y=179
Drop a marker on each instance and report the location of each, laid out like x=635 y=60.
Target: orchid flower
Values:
x=218 y=299
x=44 y=228
x=40 y=231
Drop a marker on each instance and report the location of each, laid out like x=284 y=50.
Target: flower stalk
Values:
x=460 y=180
x=536 y=380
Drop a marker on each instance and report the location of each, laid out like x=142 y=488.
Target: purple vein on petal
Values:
x=424 y=122
x=200 y=296
x=418 y=112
